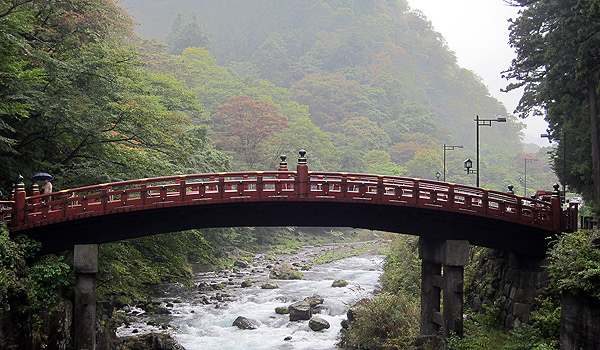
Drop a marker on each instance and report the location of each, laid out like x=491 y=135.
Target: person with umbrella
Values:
x=46 y=178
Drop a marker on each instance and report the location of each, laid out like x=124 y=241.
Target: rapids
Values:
x=203 y=319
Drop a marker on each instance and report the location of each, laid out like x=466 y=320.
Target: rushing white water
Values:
x=209 y=326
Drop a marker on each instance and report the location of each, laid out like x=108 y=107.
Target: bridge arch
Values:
x=427 y=208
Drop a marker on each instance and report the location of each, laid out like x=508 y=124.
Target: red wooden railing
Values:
x=283 y=185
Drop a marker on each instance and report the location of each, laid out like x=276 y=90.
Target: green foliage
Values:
x=127 y=269
x=481 y=332
x=30 y=287
x=425 y=164
x=402 y=269
x=385 y=321
x=390 y=319
x=575 y=262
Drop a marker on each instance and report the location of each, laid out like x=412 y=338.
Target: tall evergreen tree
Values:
x=558 y=64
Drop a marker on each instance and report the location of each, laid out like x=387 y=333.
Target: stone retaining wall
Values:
x=506 y=280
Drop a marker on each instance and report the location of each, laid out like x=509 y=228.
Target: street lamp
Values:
x=448 y=148
x=564 y=142
x=468 y=165
x=437 y=175
x=483 y=122
x=527 y=160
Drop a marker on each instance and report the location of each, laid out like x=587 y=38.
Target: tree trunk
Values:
x=595 y=136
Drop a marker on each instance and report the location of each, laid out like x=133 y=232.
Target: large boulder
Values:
x=318 y=324
x=245 y=323
x=300 y=310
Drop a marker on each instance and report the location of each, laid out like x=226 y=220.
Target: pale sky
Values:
x=477 y=32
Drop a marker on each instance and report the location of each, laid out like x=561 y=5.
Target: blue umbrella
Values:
x=42 y=177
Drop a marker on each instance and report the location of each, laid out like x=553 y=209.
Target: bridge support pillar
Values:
x=85 y=265
x=442 y=271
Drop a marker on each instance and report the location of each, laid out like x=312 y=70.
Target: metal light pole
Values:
x=448 y=148
x=527 y=160
x=482 y=122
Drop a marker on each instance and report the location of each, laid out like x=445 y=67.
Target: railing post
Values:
x=558 y=221
x=35 y=190
x=283 y=166
x=302 y=178
x=20 y=198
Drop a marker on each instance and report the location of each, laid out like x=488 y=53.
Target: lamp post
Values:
x=468 y=165
x=564 y=142
x=527 y=160
x=437 y=175
x=448 y=148
x=481 y=122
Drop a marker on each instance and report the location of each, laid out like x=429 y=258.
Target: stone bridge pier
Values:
x=85 y=265
x=442 y=272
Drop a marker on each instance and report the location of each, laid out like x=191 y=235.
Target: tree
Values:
x=184 y=34
x=244 y=126
x=425 y=164
x=558 y=64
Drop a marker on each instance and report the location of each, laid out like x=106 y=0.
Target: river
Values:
x=203 y=319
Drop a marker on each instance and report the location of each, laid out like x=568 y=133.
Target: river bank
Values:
x=202 y=317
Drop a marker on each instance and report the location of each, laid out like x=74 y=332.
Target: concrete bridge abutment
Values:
x=442 y=273
x=85 y=265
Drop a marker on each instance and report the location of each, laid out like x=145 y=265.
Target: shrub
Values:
x=386 y=321
x=575 y=262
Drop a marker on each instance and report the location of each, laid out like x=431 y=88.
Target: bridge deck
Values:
x=93 y=205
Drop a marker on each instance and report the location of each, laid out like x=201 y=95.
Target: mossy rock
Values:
x=285 y=272
x=282 y=310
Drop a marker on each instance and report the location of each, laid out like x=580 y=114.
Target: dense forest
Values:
x=91 y=96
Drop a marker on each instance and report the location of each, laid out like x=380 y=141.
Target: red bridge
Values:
x=432 y=209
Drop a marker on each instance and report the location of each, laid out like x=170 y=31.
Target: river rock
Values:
x=339 y=283
x=241 y=263
x=245 y=323
x=318 y=324
x=300 y=310
x=246 y=284
x=315 y=300
x=284 y=272
x=282 y=310
x=152 y=341
x=269 y=286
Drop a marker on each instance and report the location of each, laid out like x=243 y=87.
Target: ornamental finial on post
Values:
x=283 y=163
x=510 y=189
x=302 y=157
x=556 y=192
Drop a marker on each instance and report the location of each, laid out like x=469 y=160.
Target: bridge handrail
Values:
x=196 y=189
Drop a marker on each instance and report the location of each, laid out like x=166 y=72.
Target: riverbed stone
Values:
x=242 y=322
x=318 y=324
x=282 y=310
x=300 y=310
x=339 y=283
x=314 y=300
x=269 y=286
x=285 y=272
x=246 y=284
